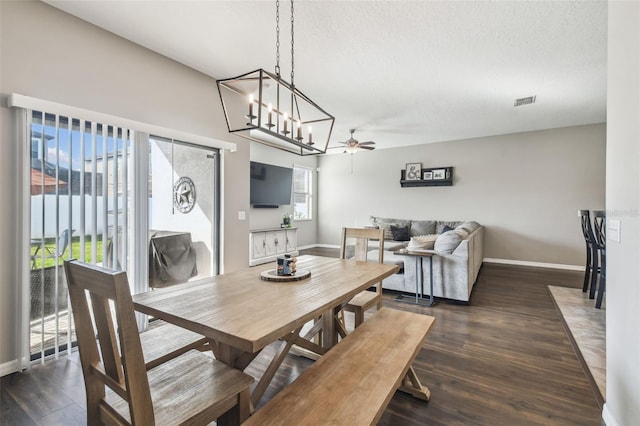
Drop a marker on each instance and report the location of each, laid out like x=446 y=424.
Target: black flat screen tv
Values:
x=270 y=186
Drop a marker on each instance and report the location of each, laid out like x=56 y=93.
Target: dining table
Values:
x=241 y=313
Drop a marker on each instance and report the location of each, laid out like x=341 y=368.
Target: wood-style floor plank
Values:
x=503 y=359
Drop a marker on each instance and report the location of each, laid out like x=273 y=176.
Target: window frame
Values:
x=307 y=194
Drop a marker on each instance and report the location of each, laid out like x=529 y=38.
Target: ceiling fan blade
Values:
x=367 y=143
x=367 y=147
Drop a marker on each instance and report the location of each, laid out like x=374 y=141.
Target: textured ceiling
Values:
x=402 y=73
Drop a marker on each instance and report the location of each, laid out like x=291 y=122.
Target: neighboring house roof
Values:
x=43 y=184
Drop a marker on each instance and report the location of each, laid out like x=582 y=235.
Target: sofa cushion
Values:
x=447 y=242
x=422 y=227
x=400 y=233
x=389 y=245
x=388 y=258
x=468 y=226
x=386 y=222
x=441 y=224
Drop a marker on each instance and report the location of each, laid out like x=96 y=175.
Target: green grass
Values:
x=76 y=249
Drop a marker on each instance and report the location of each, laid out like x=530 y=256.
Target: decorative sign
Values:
x=184 y=195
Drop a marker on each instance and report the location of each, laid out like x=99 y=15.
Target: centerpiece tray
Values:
x=272 y=275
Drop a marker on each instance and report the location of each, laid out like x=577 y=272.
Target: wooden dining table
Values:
x=240 y=313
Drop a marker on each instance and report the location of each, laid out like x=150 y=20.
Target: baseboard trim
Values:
x=320 y=246
x=607 y=417
x=534 y=264
x=8 y=368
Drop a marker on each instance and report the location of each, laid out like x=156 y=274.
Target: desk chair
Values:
x=189 y=389
x=366 y=299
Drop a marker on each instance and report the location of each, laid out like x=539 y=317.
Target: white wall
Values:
x=623 y=204
x=272 y=218
x=526 y=188
x=48 y=54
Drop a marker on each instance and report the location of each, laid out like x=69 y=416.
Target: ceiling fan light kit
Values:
x=263 y=107
x=352 y=145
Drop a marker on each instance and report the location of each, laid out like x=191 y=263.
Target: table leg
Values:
x=418 y=299
x=431 y=301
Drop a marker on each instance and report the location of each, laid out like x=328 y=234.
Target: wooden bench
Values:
x=354 y=382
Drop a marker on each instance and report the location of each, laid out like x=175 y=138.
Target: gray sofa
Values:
x=458 y=248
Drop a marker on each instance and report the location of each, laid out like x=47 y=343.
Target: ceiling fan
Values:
x=353 y=145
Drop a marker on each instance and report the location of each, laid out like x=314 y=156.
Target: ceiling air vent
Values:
x=524 y=101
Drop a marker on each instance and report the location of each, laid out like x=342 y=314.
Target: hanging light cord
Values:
x=278 y=38
x=292 y=43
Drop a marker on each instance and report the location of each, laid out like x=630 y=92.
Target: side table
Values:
x=418 y=299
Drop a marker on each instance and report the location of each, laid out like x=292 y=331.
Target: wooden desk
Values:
x=240 y=314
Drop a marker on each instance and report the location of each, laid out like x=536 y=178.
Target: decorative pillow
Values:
x=441 y=224
x=447 y=242
x=388 y=235
x=424 y=241
x=422 y=227
x=400 y=233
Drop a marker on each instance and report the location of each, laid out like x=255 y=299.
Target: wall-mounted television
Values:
x=270 y=185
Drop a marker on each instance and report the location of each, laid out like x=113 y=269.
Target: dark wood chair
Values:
x=599 y=222
x=360 y=238
x=192 y=388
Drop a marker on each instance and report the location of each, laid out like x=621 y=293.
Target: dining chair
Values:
x=599 y=221
x=192 y=388
x=591 y=267
x=360 y=238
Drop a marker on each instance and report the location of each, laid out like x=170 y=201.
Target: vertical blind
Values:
x=79 y=209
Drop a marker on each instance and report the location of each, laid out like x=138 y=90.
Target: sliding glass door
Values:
x=183 y=211
x=89 y=188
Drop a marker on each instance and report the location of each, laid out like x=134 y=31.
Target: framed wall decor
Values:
x=427 y=175
x=413 y=171
x=438 y=174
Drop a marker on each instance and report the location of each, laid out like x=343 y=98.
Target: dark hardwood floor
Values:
x=503 y=359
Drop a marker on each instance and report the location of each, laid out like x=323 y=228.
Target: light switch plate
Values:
x=613 y=230
x=242 y=215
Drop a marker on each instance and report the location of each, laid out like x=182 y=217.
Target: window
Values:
x=302 y=193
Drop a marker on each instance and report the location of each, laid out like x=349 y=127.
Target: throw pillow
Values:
x=447 y=242
x=424 y=241
x=388 y=235
x=400 y=233
x=422 y=227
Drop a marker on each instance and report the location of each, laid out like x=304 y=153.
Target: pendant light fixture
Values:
x=262 y=107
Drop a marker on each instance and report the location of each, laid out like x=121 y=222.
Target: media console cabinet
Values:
x=265 y=245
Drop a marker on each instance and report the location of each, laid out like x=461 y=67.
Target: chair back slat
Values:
x=121 y=362
x=587 y=230
x=362 y=236
x=599 y=220
x=106 y=330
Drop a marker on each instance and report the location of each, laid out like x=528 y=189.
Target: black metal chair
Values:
x=591 y=268
x=599 y=222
